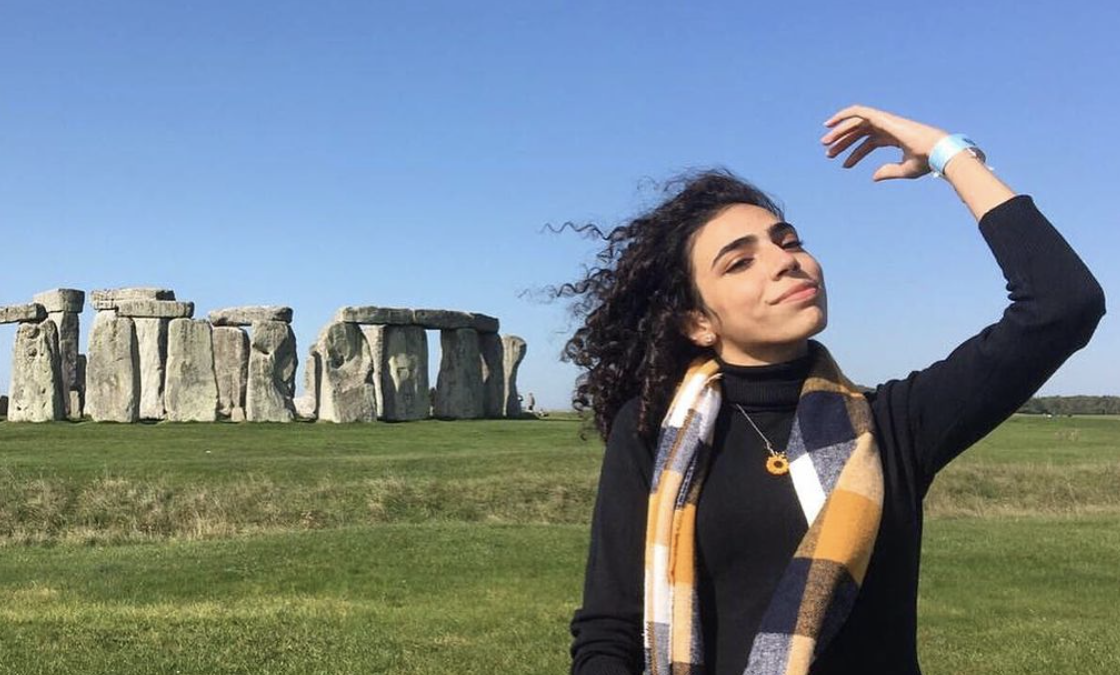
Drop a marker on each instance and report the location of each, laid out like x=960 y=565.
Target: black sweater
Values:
x=749 y=522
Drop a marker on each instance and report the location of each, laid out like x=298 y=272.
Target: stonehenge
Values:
x=149 y=359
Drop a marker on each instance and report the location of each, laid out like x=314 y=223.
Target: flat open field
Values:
x=436 y=547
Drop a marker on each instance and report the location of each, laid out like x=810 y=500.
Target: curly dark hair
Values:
x=632 y=341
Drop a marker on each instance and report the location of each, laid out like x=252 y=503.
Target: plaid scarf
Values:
x=835 y=468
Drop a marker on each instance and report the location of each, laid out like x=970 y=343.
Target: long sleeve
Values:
x=607 y=629
x=1056 y=304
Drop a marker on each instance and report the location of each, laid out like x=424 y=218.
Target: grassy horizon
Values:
x=422 y=547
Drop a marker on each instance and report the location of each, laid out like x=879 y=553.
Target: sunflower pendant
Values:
x=777 y=464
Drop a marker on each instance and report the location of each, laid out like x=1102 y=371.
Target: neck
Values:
x=761 y=355
x=775 y=386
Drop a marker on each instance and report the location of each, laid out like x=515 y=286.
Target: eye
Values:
x=798 y=243
x=739 y=264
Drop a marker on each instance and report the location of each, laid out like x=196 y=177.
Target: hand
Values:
x=882 y=129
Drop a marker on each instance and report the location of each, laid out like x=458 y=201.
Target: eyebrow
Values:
x=780 y=227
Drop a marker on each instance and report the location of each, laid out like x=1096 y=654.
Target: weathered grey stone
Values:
x=370 y=315
x=36 y=392
x=374 y=335
x=484 y=323
x=402 y=358
x=237 y=415
x=31 y=312
x=493 y=375
x=68 y=339
x=231 y=367
x=61 y=300
x=307 y=405
x=272 y=372
x=443 y=319
x=108 y=299
x=514 y=349
x=346 y=390
x=247 y=316
x=155 y=309
x=74 y=409
x=459 y=384
x=191 y=392
x=80 y=385
x=113 y=370
x=151 y=343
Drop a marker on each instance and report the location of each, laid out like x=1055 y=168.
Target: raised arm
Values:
x=1056 y=303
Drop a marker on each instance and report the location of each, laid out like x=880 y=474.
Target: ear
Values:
x=698 y=329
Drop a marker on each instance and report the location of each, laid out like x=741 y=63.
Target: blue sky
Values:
x=408 y=154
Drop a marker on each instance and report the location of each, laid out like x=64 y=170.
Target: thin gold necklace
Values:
x=777 y=463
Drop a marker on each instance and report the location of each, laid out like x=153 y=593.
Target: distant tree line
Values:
x=1072 y=405
x=1060 y=405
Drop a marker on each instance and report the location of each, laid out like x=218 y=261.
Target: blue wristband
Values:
x=947 y=148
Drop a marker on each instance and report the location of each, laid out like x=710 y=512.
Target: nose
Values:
x=785 y=261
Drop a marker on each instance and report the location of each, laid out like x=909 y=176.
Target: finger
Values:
x=852 y=110
x=860 y=152
x=844 y=127
x=843 y=142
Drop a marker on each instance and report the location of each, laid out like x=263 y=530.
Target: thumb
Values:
x=888 y=171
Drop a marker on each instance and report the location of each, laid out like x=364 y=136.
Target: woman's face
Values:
x=743 y=262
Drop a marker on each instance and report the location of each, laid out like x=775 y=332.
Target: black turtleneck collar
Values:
x=773 y=386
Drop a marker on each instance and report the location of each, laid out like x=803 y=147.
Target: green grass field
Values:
x=435 y=547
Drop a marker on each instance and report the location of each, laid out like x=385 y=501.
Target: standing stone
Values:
x=375 y=340
x=346 y=392
x=514 y=350
x=78 y=394
x=231 y=367
x=63 y=306
x=36 y=375
x=68 y=338
x=272 y=372
x=403 y=372
x=459 y=384
x=113 y=370
x=493 y=375
x=3 y=407
x=151 y=342
x=307 y=405
x=191 y=393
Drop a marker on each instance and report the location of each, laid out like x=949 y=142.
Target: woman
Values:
x=756 y=511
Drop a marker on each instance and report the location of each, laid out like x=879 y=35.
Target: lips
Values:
x=796 y=289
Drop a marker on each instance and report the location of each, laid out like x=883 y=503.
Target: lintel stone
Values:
x=61 y=300
x=370 y=315
x=245 y=316
x=444 y=319
x=155 y=309
x=108 y=299
x=30 y=313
